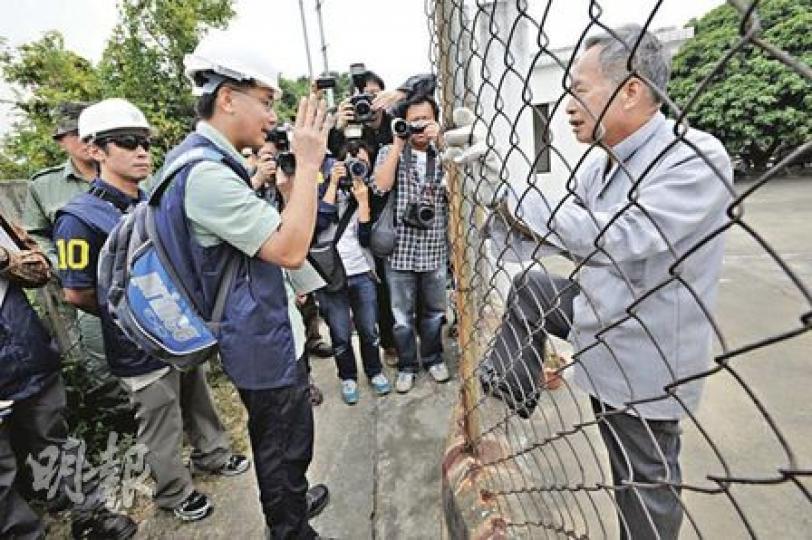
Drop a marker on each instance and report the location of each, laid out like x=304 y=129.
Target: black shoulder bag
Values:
x=325 y=258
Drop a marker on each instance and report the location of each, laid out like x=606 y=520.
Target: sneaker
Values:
x=349 y=391
x=439 y=372
x=195 y=507
x=405 y=381
x=236 y=464
x=103 y=523
x=381 y=384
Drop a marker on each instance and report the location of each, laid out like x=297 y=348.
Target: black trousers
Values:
x=310 y=316
x=37 y=425
x=17 y=520
x=643 y=454
x=280 y=426
x=386 y=321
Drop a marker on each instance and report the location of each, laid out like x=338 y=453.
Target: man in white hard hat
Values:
x=167 y=401
x=48 y=191
x=210 y=215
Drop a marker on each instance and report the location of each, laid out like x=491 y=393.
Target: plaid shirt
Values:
x=418 y=250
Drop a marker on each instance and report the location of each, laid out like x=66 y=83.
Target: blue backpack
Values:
x=143 y=292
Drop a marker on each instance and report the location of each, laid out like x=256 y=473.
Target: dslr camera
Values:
x=362 y=103
x=355 y=169
x=403 y=129
x=419 y=214
x=285 y=159
x=362 y=106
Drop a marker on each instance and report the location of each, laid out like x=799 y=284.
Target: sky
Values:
x=390 y=36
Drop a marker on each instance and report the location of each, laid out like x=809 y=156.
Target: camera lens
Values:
x=358 y=168
x=287 y=162
x=363 y=108
x=400 y=127
x=426 y=214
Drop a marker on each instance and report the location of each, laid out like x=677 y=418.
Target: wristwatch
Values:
x=4 y=258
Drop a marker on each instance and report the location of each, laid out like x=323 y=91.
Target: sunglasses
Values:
x=128 y=142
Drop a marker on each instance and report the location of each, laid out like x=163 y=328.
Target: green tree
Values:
x=757 y=106
x=143 y=60
x=44 y=74
x=294 y=89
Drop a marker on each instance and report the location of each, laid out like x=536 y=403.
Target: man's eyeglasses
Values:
x=266 y=104
x=128 y=142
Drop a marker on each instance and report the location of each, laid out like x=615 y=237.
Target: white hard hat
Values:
x=228 y=56
x=109 y=115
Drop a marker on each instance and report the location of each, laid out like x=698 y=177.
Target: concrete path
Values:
x=380 y=459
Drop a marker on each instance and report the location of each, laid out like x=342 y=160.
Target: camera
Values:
x=362 y=105
x=358 y=74
x=403 y=129
x=279 y=137
x=323 y=83
x=285 y=159
x=419 y=215
x=356 y=168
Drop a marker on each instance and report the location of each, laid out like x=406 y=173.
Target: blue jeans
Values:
x=359 y=296
x=406 y=288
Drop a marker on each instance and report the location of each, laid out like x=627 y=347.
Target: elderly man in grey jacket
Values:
x=642 y=226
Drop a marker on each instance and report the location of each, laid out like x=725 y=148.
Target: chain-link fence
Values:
x=608 y=288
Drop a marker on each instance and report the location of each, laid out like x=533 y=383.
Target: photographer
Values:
x=344 y=218
x=366 y=114
x=374 y=129
x=416 y=270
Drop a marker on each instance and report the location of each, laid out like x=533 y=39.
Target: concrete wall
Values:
x=12 y=198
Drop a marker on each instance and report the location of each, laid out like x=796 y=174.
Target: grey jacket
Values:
x=647 y=279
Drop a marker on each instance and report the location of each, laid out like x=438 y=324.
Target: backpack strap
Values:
x=230 y=274
x=169 y=170
x=345 y=220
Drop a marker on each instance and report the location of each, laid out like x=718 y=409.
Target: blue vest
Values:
x=123 y=356
x=28 y=355
x=256 y=338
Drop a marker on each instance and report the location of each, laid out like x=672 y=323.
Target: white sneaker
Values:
x=439 y=372
x=405 y=382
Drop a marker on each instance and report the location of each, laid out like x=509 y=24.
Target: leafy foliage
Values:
x=143 y=60
x=757 y=106
x=294 y=89
x=46 y=74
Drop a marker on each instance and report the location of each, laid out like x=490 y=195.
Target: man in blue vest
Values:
x=32 y=401
x=210 y=215
x=167 y=401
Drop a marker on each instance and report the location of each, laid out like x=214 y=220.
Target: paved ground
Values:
x=381 y=458
x=758 y=300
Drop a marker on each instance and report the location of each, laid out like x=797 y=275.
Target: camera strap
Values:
x=345 y=219
x=431 y=166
